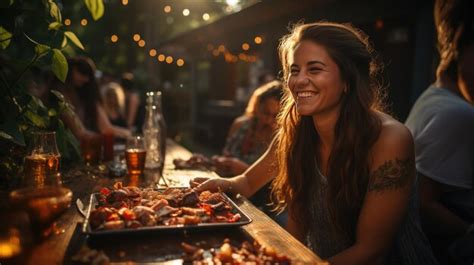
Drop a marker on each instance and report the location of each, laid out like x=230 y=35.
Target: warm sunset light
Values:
x=141 y=43
x=245 y=46
x=167 y=9
x=136 y=37
x=83 y=22
x=152 y=53
x=67 y=22
x=180 y=62
x=169 y=59
x=114 y=38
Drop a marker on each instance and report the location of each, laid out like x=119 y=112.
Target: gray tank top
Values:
x=410 y=246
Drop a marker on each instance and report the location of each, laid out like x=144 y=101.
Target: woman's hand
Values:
x=214 y=184
x=229 y=166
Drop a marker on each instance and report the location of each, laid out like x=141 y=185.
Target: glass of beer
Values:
x=135 y=155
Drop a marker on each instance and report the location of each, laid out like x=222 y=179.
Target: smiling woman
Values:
x=344 y=169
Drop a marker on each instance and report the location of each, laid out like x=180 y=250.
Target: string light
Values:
x=167 y=9
x=141 y=43
x=67 y=22
x=136 y=37
x=114 y=38
x=221 y=48
x=169 y=59
x=186 y=12
x=245 y=46
x=124 y=2
x=161 y=57
x=258 y=40
x=83 y=22
x=152 y=53
x=206 y=16
x=180 y=62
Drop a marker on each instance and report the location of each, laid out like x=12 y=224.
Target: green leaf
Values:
x=10 y=130
x=54 y=25
x=52 y=113
x=54 y=10
x=36 y=119
x=5 y=38
x=42 y=49
x=96 y=8
x=74 y=39
x=37 y=104
x=59 y=65
x=64 y=43
x=59 y=95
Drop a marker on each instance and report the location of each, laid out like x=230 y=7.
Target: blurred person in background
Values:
x=134 y=107
x=82 y=92
x=248 y=138
x=442 y=124
x=250 y=134
x=114 y=103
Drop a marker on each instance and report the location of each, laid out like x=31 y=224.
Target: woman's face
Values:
x=314 y=80
x=268 y=112
x=79 y=79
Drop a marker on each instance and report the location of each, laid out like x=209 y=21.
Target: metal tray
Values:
x=86 y=228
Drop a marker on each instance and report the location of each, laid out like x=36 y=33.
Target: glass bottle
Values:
x=154 y=132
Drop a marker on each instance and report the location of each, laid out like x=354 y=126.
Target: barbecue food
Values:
x=130 y=207
x=197 y=161
x=247 y=253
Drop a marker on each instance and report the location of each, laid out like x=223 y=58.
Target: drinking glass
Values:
x=91 y=147
x=41 y=193
x=135 y=155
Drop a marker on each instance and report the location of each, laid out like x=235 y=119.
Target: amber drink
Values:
x=42 y=169
x=135 y=160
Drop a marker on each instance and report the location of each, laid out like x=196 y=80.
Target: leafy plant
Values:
x=33 y=36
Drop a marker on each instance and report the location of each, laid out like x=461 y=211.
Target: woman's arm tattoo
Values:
x=393 y=174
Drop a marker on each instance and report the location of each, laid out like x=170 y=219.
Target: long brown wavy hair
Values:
x=454 y=24
x=355 y=132
x=89 y=93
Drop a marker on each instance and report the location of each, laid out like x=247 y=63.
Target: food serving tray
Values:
x=86 y=228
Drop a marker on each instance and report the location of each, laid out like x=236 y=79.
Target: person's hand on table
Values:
x=211 y=184
x=229 y=166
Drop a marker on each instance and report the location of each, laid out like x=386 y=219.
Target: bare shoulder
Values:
x=392 y=163
x=237 y=124
x=394 y=136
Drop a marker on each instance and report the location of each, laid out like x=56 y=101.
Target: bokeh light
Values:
x=114 y=38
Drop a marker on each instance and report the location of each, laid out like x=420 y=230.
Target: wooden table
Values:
x=154 y=248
